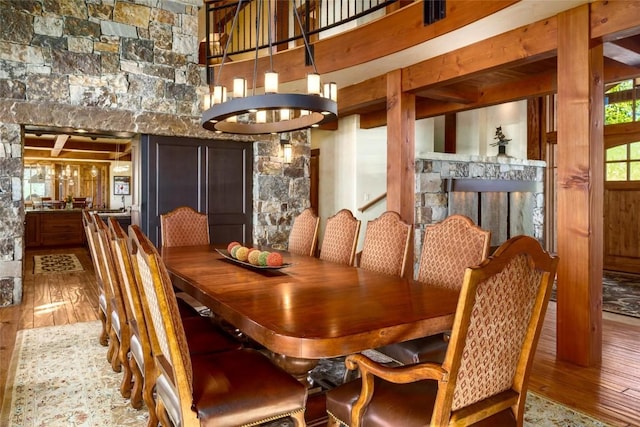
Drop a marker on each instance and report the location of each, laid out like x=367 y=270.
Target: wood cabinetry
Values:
x=54 y=228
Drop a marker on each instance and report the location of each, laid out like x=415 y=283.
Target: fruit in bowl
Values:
x=274 y=259
x=242 y=253
x=232 y=245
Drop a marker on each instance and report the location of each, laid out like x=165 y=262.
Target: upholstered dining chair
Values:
x=184 y=226
x=104 y=305
x=448 y=248
x=231 y=388
x=201 y=334
x=340 y=238
x=120 y=334
x=386 y=245
x=303 y=238
x=484 y=376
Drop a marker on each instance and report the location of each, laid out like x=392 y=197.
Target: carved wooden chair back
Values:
x=340 y=238
x=217 y=393
x=141 y=362
x=448 y=248
x=166 y=334
x=119 y=336
x=484 y=376
x=386 y=244
x=184 y=226
x=303 y=237
x=104 y=302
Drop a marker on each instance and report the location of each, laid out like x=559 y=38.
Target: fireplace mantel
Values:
x=500 y=193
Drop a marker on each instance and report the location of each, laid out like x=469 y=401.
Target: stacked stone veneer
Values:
x=111 y=65
x=282 y=190
x=433 y=200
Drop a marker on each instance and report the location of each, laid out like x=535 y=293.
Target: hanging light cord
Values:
x=304 y=37
x=226 y=46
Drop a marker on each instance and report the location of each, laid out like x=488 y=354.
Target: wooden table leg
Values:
x=299 y=368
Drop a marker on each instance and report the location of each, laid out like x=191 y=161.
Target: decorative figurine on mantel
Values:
x=502 y=142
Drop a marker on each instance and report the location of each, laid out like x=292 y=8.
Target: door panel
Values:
x=622 y=229
x=214 y=177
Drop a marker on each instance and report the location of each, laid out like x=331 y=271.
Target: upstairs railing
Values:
x=316 y=18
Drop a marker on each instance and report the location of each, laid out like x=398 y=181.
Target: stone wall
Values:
x=282 y=190
x=505 y=213
x=104 y=65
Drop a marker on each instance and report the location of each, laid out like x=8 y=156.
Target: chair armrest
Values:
x=402 y=375
x=398 y=375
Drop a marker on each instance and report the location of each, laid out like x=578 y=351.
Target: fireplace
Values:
x=501 y=194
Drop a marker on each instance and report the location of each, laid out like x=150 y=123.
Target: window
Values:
x=622 y=162
x=621 y=102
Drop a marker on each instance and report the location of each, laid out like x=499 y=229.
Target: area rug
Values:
x=59 y=376
x=56 y=263
x=620 y=293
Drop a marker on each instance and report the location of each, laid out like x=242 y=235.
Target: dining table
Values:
x=310 y=309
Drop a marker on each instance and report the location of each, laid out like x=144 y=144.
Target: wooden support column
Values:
x=401 y=147
x=580 y=190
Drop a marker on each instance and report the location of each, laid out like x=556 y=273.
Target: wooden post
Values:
x=401 y=118
x=580 y=190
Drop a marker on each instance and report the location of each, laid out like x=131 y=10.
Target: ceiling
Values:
x=76 y=144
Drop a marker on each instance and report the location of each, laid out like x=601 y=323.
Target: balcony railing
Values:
x=257 y=19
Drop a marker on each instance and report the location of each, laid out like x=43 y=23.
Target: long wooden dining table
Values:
x=311 y=309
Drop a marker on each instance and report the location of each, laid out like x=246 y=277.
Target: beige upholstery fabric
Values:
x=386 y=243
x=448 y=248
x=340 y=238
x=304 y=233
x=491 y=354
x=184 y=226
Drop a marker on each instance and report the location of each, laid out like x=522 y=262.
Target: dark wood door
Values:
x=210 y=176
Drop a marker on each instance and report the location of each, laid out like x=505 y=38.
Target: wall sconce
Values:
x=287 y=149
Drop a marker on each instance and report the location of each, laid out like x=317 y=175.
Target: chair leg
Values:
x=138 y=384
x=113 y=352
x=125 y=384
x=104 y=337
x=161 y=412
x=147 y=395
x=298 y=419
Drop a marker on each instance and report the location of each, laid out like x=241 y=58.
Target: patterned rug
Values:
x=620 y=293
x=56 y=263
x=60 y=377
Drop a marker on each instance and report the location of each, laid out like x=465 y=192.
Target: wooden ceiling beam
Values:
x=613 y=20
x=58 y=145
x=70 y=144
x=525 y=44
x=359 y=97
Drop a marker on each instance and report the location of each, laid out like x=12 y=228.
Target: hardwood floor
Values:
x=609 y=392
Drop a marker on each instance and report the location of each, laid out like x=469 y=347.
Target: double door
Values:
x=211 y=176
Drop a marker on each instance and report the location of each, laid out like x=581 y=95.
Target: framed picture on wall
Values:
x=122 y=185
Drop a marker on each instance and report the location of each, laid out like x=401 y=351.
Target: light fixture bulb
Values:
x=287 y=152
x=219 y=95
x=313 y=84
x=331 y=91
x=271 y=82
x=239 y=87
x=261 y=116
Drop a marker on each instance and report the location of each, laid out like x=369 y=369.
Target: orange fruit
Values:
x=274 y=259
x=231 y=245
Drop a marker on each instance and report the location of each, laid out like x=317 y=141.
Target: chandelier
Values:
x=236 y=111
